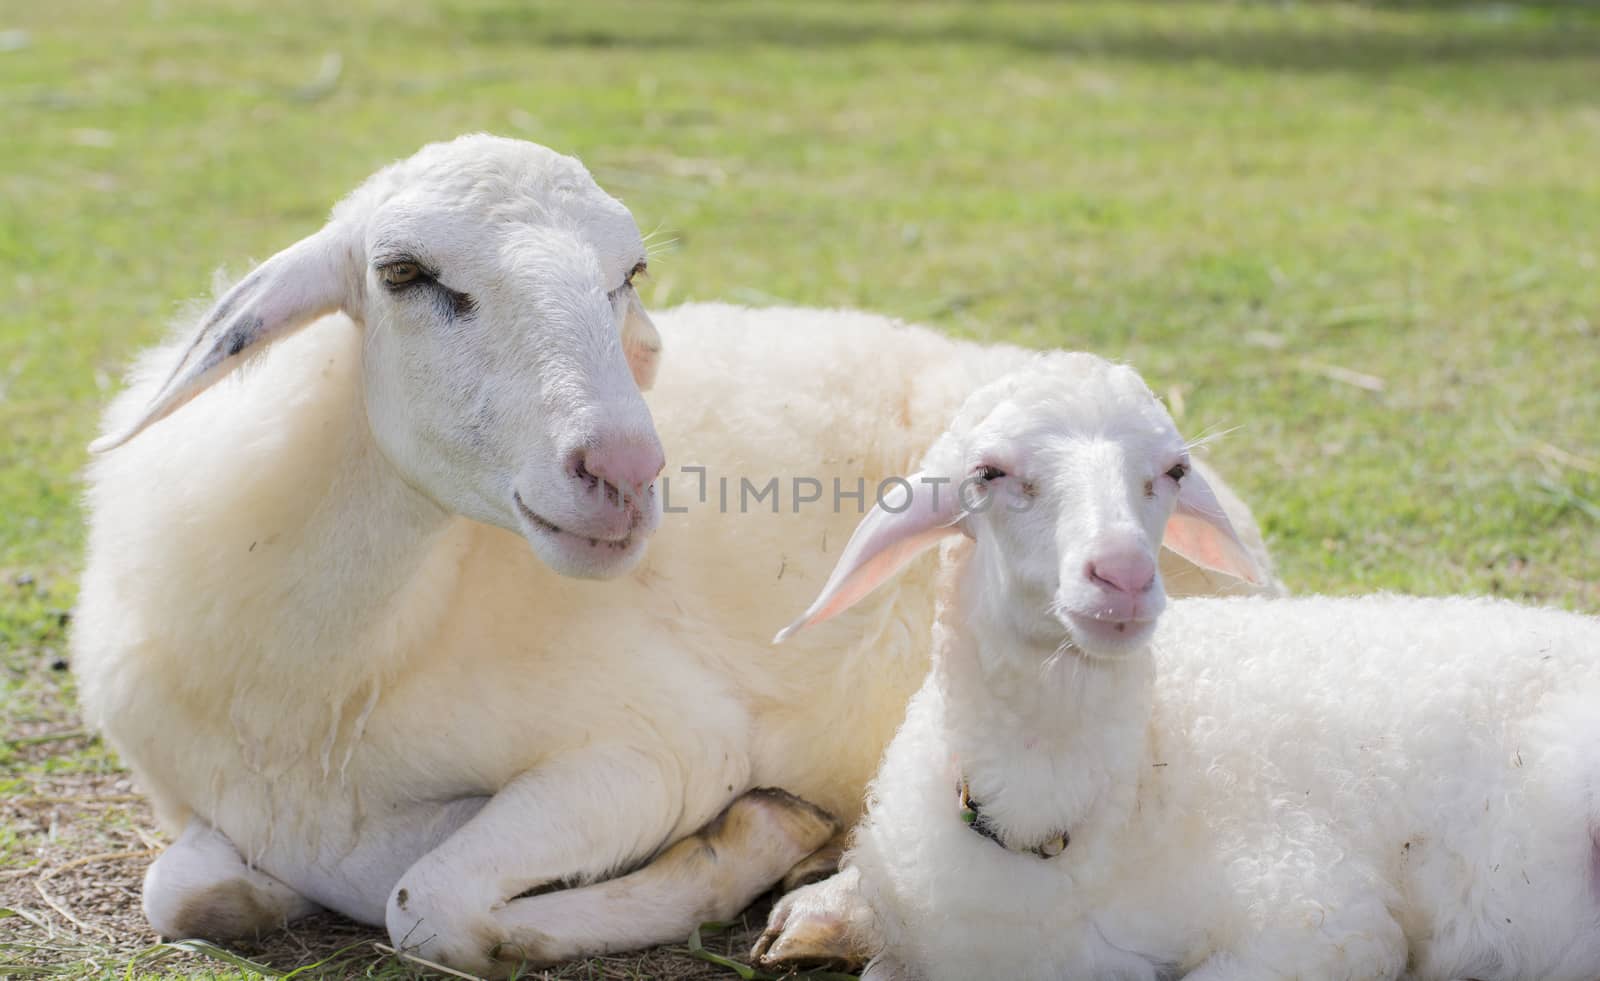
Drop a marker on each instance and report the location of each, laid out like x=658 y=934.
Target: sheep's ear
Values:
x=641 y=343
x=911 y=519
x=1199 y=530
x=288 y=291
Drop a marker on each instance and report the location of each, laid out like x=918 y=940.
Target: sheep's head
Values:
x=505 y=346
x=1069 y=474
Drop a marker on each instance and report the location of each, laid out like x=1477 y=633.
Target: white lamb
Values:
x=1320 y=788
x=332 y=615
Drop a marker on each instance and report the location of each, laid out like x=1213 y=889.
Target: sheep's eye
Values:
x=1178 y=472
x=640 y=269
x=987 y=473
x=400 y=273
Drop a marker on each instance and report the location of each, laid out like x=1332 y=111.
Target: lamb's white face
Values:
x=1073 y=469
x=497 y=293
x=1071 y=477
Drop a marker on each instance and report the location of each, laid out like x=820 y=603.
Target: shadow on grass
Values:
x=1265 y=37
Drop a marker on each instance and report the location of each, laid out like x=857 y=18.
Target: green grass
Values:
x=1256 y=204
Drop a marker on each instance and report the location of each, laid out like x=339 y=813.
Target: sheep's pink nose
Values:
x=626 y=463
x=1123 y=571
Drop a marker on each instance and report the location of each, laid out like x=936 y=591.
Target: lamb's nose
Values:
x=628 y=463
x=1123 y=571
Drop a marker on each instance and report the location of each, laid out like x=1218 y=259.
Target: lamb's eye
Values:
x=987 y=473
x=1178 y=472
x=400 y=273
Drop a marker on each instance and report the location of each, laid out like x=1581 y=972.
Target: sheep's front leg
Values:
x=201 y=887
x=711 y=875
x=573 y=822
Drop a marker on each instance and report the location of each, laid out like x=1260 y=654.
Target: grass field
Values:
x=1367 y=236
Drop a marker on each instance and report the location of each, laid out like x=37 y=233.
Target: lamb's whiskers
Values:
x=1209 y=436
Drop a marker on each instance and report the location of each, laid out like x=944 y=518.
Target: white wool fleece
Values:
x=1245 y=788
x=1305 y=788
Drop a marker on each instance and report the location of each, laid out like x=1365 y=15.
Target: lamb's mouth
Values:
x=556 y=531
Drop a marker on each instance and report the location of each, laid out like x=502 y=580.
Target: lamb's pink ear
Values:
x=1199 y=530
x=308 y=279
x=893 y=533
x=640 y=342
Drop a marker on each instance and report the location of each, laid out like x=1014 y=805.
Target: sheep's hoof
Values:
x=809 y=940
x=821 y=925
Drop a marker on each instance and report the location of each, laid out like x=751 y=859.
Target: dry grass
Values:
x=76 y=911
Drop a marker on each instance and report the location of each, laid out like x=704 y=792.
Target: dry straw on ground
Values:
x=75 y=912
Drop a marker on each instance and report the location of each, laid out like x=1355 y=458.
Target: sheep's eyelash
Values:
x=397 y=256
x=425 y=272
x=640 y=268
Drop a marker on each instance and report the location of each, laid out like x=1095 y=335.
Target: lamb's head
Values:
x=1069 y=474
x=505 y=347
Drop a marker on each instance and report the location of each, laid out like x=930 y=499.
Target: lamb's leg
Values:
x=887 y=969
x=581 y=818
x=201 y=887
x=824 y=924
x=1322 y=964
x=1334 y=927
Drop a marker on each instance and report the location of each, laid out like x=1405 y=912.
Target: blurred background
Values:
x=1365 y=237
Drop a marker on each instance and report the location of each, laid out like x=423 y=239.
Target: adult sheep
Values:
x=312 y=623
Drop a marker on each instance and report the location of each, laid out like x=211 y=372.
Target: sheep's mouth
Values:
x=1098 y=633
x=559 y=533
